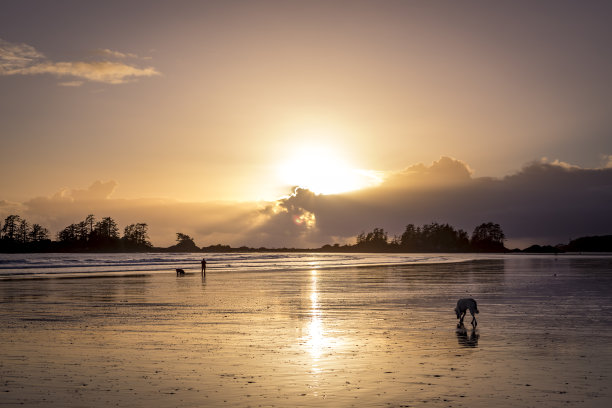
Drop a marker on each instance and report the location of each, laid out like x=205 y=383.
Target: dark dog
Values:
x=463 y=305
x=180 y=272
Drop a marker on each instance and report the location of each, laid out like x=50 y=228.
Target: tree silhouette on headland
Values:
x=434 y=237
x=372 y=241
x=16 y=235
x=184 y=244
x=99 y=236
x=135 y=237
x=488 y=237
x=591 y=244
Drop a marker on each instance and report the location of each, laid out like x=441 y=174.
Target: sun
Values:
x=323 y=171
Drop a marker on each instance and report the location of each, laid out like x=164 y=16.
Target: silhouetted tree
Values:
x=184 y=244
x=395 y=242
x=444 y=238
x=22 y=231
x=10 y=229
x=464 y=241
x=600 y=243
x=136 y=236
x=106 y=229
x=68 y=234
x=105 y=236
x=88 y=229
x=81 y=231
x=433 y=237
x=90 y=223
x=38 y=233
x=410 y=239
x=19 y=236
x=180 y=238
x=77 y=236
x=488 y=237
x=373 y=241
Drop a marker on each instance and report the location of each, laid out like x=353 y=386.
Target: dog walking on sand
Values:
x=463 y=305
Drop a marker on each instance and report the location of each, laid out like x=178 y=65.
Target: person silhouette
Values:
x=203 y=266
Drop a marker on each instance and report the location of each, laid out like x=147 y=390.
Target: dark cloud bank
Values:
x=544 y=203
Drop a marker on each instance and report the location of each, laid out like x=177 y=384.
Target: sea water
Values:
x=15 y=266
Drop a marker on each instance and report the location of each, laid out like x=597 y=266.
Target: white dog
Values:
x=462 y=307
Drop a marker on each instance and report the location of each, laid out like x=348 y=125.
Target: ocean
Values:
x=14 y=266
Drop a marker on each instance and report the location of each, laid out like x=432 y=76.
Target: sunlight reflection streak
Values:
x=316 y=334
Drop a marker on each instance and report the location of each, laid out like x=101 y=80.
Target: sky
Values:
x=203 y=116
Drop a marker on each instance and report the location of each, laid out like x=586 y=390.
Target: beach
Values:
x=376 y=336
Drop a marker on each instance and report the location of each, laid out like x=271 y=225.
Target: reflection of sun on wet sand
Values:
x=315 y=340
x=318 y=341
x=382 y=336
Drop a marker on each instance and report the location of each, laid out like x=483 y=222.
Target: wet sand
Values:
x=380 y=336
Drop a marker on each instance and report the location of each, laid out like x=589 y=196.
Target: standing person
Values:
x=203 y=266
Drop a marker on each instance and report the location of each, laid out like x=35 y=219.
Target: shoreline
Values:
x=212 y=268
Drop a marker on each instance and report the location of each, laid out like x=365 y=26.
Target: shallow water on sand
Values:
x=44 y=265
x=377 y=336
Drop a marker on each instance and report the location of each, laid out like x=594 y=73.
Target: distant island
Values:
x=17 y=235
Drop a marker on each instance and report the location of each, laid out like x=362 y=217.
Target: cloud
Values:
x=71 y=83
x=9 y=207
x=560 y=163
x=23 y=59
x=97 y=191
x=287 y=222
x=446 y=171
x=99 y=71
x=544 y=202
x=14 y=57
x=105 y=52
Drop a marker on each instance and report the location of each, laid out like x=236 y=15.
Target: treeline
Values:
x=433 y=237
x=602 y=243
x=88 y=235
x=18 y=235
x=103 y=235
x=92 y=235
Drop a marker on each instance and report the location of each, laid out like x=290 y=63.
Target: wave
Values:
x=12 y=265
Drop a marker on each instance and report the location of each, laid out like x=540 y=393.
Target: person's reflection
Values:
x=467 y=338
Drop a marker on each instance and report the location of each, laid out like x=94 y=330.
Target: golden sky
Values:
x=208 y=101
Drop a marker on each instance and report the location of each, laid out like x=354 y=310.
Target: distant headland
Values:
x=17 y=235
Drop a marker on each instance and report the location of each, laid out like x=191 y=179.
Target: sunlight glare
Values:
x=322 y=171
